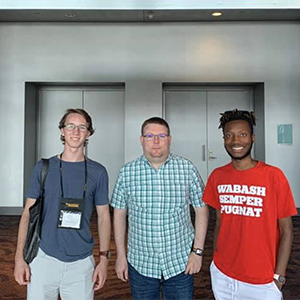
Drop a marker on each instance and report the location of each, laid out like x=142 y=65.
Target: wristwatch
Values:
x=106 y=254
x=280 y=278
x=197 y=251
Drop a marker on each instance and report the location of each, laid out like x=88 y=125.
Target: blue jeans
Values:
x=179 y=287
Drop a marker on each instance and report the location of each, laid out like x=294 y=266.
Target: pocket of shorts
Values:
x=212 y=265
x=92 y=260
x=214 y=271
x=276 y=287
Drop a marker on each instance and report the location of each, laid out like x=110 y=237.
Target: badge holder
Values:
x=71 y=210
x=70 y=213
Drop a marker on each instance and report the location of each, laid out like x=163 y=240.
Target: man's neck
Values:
x=156 y=163
x=73 y=155
x=244 y=164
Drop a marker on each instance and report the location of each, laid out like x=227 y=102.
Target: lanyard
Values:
x=61 y=179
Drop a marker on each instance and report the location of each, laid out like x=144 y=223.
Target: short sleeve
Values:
x=210 y=196
x=101 y=195
x=196 y=189
x=119 y=198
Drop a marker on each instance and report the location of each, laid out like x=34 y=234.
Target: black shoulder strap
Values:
x=44 y=172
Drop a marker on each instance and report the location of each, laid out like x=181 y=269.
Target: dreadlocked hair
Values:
x=235 y=115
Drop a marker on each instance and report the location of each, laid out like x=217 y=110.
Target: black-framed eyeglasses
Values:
x=151 y=137
x=71 y=127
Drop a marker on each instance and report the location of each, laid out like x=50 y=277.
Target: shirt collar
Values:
x=145 y=160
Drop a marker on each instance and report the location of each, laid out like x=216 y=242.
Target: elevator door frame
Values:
x=257 y=100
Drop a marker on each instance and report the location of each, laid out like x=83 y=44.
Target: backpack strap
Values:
x=44 y=173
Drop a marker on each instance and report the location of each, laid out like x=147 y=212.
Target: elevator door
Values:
x=194 y=115
x=105 y=106
x=107 y=144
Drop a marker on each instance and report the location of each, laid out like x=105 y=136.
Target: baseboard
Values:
x=11 y=211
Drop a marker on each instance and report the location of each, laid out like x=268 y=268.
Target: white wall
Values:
x=144 y=56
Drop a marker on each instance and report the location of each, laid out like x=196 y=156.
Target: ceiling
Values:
x=195 y=15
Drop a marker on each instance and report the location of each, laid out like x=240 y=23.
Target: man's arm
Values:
x=285 y=245
x=201 y=222
x=217 y=228
x=120 y=231
x=104 y=225
x=22 y=271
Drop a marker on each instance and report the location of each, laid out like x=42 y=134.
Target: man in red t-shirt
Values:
x=253 y=232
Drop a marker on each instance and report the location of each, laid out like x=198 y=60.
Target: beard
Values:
x=240 y=157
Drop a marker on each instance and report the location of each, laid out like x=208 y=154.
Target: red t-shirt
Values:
x=250 y=203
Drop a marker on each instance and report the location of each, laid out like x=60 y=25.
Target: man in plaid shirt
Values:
x=156 y=189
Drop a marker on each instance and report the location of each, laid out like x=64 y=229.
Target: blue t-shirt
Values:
x=68 y=244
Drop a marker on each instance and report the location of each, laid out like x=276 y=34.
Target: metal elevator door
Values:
x=193 y=115
x=106 y=107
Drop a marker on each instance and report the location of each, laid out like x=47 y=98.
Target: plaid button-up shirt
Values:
x=160 y=228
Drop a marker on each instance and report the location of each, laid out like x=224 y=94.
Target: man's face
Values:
x=75 y=138
x=238 y=139
x=156 y=149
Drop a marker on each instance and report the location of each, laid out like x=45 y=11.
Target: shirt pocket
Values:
x=139 y=195
x=176 y=195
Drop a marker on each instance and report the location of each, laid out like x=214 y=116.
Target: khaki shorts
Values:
x=51 y=277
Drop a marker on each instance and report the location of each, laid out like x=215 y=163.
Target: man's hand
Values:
x=22 y=272
x=194 y=264
x=278 y=284
x=122 y=268
x=100 y=273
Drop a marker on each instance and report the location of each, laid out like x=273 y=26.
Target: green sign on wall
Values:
x=285 y=134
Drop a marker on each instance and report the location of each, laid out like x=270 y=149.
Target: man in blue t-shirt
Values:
x=74 y=185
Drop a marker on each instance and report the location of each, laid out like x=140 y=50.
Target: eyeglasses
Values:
x=71 y=127
x=151 y=137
